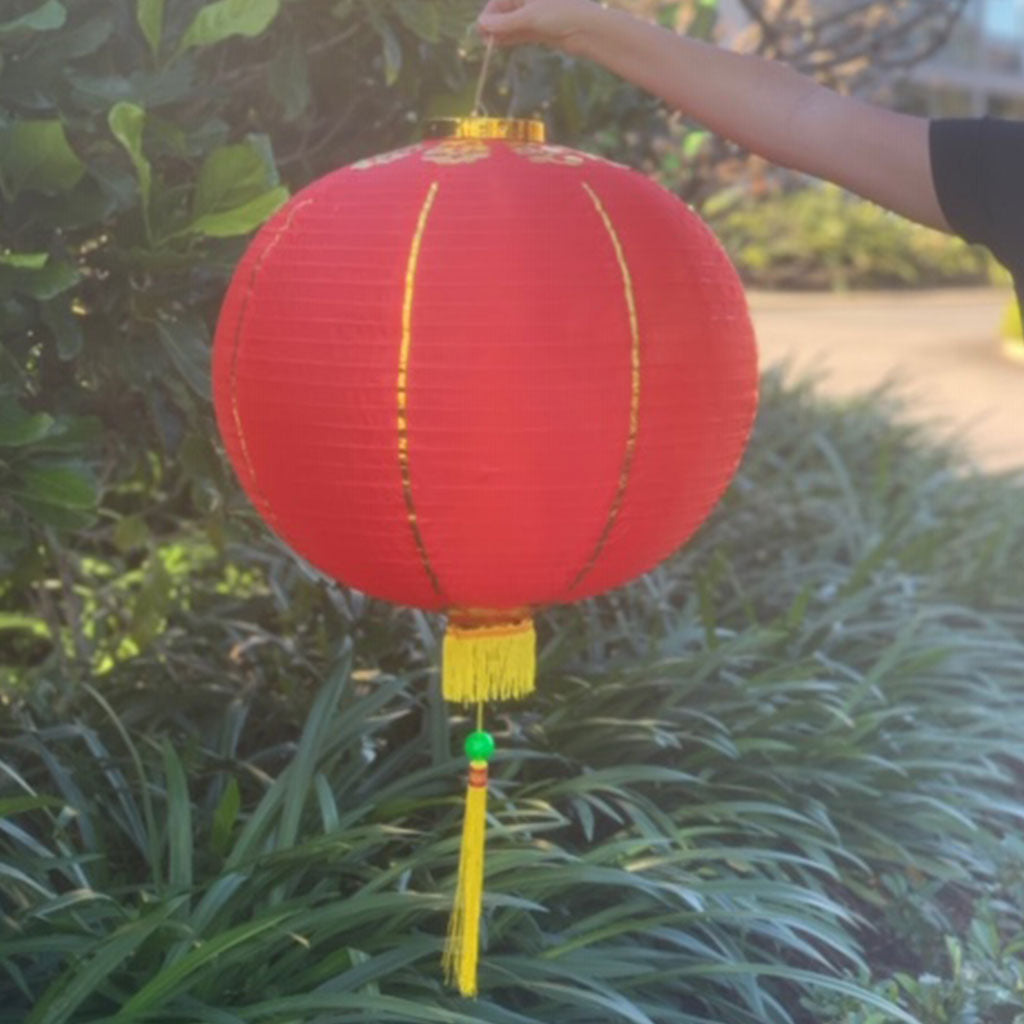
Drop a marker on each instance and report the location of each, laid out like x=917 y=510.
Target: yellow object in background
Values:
x=1012 y=332
x=1012 y=328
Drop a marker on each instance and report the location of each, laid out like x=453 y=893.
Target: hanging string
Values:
x=483 y=77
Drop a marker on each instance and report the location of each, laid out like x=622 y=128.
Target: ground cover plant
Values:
x=818 y=236
x=774 y=780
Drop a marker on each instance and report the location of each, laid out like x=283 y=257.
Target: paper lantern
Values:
x=482 y=375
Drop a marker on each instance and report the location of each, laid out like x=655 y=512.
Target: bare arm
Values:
x=764 y=106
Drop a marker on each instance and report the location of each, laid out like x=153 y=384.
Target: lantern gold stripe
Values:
x=403 y=384
x=634 y=405
x=236 y=415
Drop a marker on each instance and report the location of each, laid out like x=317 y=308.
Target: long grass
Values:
x=763 y=778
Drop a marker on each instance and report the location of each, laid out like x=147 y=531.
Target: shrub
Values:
x=141 y=142
x=822 y=237
x=780 y=765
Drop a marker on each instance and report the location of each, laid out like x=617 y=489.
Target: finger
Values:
x=511 y=40
x=499 y=36
x=503 y=25
x=501 y=6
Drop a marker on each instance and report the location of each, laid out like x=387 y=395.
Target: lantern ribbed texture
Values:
x=482 y=374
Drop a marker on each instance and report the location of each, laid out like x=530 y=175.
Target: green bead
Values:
x=479 y=746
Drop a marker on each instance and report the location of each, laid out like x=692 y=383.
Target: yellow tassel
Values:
x=462 y=949
x=489 y=661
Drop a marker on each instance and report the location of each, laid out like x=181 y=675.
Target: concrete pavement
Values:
x=940 y=348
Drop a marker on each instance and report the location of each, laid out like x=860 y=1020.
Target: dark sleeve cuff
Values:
x=955 y=146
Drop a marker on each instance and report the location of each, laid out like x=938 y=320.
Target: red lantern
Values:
x=481 y=375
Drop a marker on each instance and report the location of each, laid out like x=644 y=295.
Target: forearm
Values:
x=774 y=111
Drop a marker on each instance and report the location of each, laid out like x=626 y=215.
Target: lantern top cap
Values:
x=508 y=128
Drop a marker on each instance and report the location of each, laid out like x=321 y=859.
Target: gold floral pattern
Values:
x=542 y=153
x=458 y=151
x=546 y=153
x=384 y=158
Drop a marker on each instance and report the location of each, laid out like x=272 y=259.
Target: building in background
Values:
x=979 y=71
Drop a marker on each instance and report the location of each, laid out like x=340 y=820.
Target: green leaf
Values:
x=261 y=821
x=186 y=342
x=225 y=816
x=226 y=18
x=71 y=435
x=131 y=533
x=61 y=518
x=69 y=485
x=152 y=604
x=150 y=14
x=24 y=260
x=127 y=122
x=694 y=142
x=46 y=283
x=28 y=802
x=18 y=427
x=808 y=978
x=705 y=17
x=175 y=979
x=315 y=734
x=422 y=18
x=668 y=15
x=391 y=47
x=12 y=623
x=230 y=177
x=35 y=155
x=65 y=327
x=81 y=980
x=452 y=104
x=198 y=458
x=179 y=820
x=242 y=219
x=44 y=18
x=288 y=79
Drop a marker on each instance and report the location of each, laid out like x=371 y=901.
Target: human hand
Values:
x=561 y=24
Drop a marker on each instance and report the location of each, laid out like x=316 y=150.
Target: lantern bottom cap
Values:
x=487 y=662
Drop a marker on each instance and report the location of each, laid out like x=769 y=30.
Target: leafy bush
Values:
x=822 y=237
x=781 y=765
x=140 y=144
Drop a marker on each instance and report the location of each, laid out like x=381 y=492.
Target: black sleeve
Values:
x=978 y=169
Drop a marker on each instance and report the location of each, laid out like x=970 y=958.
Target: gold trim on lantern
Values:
x=540 y=153
x=634 y=406
x=457 y=151
x=403 y=383
x=467 y=617
x=507 y=128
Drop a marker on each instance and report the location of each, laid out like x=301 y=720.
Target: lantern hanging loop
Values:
x=476 y=112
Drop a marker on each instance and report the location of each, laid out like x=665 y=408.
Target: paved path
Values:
x=941 y=348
